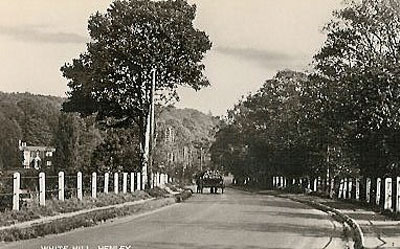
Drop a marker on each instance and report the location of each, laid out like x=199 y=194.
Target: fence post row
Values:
x=349 y=188
x=61 y=186
x=159 y=179
x=16 y=190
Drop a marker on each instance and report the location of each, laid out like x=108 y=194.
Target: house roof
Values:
x=38 y=148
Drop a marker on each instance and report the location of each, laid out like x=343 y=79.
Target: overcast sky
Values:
x=252 y=40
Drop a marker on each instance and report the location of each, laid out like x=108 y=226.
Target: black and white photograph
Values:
x=217 y=124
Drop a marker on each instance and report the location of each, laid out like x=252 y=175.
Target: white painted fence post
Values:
x=357 y=189
x=350 y=188
x=398 y=194
x=124 y=182
x=42 y=189
x=162 y=178
x=345 y=182
x=273 y=182
x=132 y=182
x=94 y=185
x=143 y=180
x=378 y=191
x=106 y=181
x=116 y=182
x=138 y=181
x=341 y=184
x=368 y=190
x=315 y=185
x=281 y=184
x=388 y=194
x=16 y=190
x=61 y=186
x=79 y=185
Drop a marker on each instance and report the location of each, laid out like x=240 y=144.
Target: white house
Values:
x=36 y=156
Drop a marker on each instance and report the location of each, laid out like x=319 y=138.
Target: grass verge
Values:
x=55 y=207
x=86 y=219
x=82 y=220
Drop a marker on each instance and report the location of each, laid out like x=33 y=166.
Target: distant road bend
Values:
x=236 y=219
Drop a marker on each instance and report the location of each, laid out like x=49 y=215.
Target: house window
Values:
x=48 y=163
x=49 y=153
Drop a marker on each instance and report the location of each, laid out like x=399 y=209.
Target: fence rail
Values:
x=64 y=186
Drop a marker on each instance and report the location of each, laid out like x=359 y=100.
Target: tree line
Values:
x=339 y=119
x=82 y=144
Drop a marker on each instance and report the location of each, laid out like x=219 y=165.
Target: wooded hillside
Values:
x=82 y=144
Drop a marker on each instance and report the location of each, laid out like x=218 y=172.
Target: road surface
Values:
x=236 y=219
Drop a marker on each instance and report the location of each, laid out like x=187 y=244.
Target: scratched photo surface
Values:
x=199 y=124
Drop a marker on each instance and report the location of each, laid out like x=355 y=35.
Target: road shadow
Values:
x=307 y=230
x=321 y=216
x=388 y=230
x=262 y=202
x=169 y=245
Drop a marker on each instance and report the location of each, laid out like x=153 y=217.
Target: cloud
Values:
x=264 y=57
x=40 y=35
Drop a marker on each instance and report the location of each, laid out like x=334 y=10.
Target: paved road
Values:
x=236 y=219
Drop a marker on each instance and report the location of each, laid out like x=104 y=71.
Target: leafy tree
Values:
x=263 y=134
x=112 y=79
x=358 y=85
x=118 y=152
x=75 y=141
